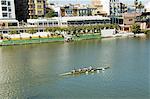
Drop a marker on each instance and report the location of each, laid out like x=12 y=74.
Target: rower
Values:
x=86 y=72
x=90 y=68
x=98 y=71
x=73 y=71
x=79 y=70
x=103 y=69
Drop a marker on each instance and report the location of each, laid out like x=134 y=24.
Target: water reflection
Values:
x=20 y=72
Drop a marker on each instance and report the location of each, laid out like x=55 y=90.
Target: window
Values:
x=4 y=8
x=40 y=23
x=5 y=32
x=9 y=3
x=130 y=19
x=10 y=15
x=50 y=23
x=45 y=23
x=39 y=12
x=9 y=9
x=4 y=14
x=12 y=24
x=55 y=23
x=3 y=2
x=39 y=6
x=39 y=1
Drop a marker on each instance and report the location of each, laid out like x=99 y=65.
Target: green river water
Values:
x=32 y=71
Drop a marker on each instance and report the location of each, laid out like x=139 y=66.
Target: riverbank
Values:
x=47 y=39
x=87 y=36
x=18 y=41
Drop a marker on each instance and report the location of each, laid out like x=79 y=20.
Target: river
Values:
x=32 y=71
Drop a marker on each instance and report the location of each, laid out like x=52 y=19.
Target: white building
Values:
x=108 y=32
x=7 y=9
x=68 y=21
x=56 y=8
x=105 y=4
x=147 y=6
x=7 y=15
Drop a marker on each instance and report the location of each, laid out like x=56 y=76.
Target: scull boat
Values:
x=84 y=70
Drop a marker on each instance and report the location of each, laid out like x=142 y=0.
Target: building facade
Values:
x=128 y=20
x=37 y=8
x=7 y=14
x=7 y=9
x=85 y=11
x=114 y=8
x=68 y=11
x=144 y=20
x=102 y=7
x=116 y=11
x=21 y=9
x=68 y=21
x=117 y=8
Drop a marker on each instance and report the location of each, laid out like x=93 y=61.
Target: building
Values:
x=105 y=33
x=86 y=20
x=128 y=20
x=37 y=8
x=56 y=9
x=101 y=7
x=7 y=15
x=68 y=21
x=7 y=9
x=74 y=10
x=50 y=22
x=29 y=9
x=41 y=24
x=21 y=9
x=5 y=25
x=85 y=11
x=68 y=11
x=144 y=20
x=116 y=10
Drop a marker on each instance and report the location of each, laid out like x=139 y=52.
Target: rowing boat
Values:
x=84 y=70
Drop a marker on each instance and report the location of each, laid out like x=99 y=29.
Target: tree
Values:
x=50 y=13
x=140 y=6
x=135 y=28
x=34 y=17
x=136 y=4
x=13 y=32
x=1 y=36
x=32 y=31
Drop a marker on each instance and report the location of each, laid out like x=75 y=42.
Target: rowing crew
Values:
x=86 y=70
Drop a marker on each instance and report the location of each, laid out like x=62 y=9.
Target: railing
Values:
x=142 y=19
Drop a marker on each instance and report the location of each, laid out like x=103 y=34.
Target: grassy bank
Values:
x=87 y=36
x=46 y=40
x=30 y=41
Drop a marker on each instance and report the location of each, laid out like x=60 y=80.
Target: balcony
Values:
x=30 y=8
x=142 y=20
x=30 y=3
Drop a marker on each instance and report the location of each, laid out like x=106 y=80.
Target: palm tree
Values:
x=135 y=28
x=140 y=6
x=136 y=4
